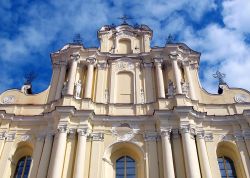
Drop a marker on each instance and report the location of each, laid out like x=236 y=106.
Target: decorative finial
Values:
x=77 y=39
x=170 y=39
x=124 y=19
x=220 y=76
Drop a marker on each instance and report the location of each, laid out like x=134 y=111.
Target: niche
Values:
x=124 y=46
x=124 y=87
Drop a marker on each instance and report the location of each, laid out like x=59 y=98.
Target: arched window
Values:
x=23 y=167
x=227 y=169
x=125 y=167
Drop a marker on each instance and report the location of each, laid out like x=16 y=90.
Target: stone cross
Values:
x=220 y=76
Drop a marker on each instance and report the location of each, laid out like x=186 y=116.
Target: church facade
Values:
x=125 y=110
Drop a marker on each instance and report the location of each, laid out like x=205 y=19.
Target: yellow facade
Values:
x=125 y=103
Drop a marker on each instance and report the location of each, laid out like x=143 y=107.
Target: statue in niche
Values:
x=170 y=88
x=65 y=87
x=78 y=89
x=185 y=87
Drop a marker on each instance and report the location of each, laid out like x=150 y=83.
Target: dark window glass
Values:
x=227 y=169
x=125 y=167
x=23 y=167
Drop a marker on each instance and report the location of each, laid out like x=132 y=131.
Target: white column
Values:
x=36 y=156
x=80 y=154
x=203 y=157
x=90 y=77
x=177 y=76
x=168 y=164
x=72 y=73
x=190 y=154
x=58 y=153
x=44 y=162
x=60 y=81
x=190 y=81
x=159 y=78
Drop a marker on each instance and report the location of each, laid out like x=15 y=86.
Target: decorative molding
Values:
x=62 y=129
x=8 y=99
x=127 y=136
x=82 y=132
x=75 y=56
x=102 y=66
x=91 y=60
x=241 y=98
x=200 y=134
x=238 y=136
x=97 y=136
x=150 y=136
x=209 y=137
x=124 y=65
x=166 y=133
x=227 y=137
x=25 y=138
x=71 y=133
x=10 y=137
x=3 y=135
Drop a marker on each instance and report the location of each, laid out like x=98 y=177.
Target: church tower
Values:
x=125 y=110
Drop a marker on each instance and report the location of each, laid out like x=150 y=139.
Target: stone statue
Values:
x=26 y=89
x=170 y=88
x=78 y=89
x=65 y=87
x=185 y=87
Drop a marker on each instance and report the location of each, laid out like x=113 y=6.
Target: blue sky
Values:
x=30 y=30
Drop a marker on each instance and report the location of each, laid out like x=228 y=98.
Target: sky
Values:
x=30 y=30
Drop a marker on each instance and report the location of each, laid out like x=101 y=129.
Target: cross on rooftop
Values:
x=220 y=76
x=124 y=19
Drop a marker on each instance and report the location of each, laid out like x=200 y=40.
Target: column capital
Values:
x=200 y=134
x=166 y=133
x=102 y=65
x=62 y=129
x=209 y=137
x=97 y=136
x=147 y=65
x=82 y=132
x=10 y=137
x=3 y=135
x=186 y=63
x=91 y=60
x=158 y=61
x=75 y=56
x=71 y=133
x=150 y=136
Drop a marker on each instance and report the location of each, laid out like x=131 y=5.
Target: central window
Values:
x=23 y=167
x=227 y=168
x=125 y=167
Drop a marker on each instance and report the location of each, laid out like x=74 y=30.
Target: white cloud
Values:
x=236 y=15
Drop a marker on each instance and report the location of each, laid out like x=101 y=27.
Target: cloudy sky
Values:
x=30 y=30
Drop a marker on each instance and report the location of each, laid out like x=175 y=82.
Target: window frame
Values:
x=125 y=166
x=232 y=165
x=26 y=159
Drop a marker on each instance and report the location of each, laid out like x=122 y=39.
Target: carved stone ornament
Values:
x=82 y=132
x=97 y=136
x=209 y=137
x=122 y=65
x=62 y=129
x=8 y=99
x=124 y=132
x=24 y=138
x=78 y=89
x=165 y=133
x=10 y=137
x=75 y=56
x=241 y=98
x=3 y=135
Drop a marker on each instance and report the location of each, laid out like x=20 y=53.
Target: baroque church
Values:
x=125 y=110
